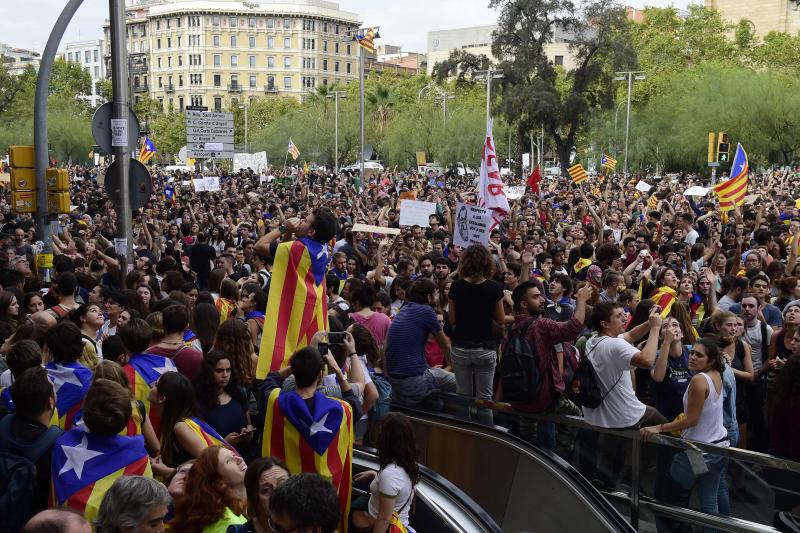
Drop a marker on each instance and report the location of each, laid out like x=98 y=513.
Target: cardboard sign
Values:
x=366 y=228
x=644 y=187
x=515 y=193
x=413 y=213
x=208 y=184
x=696 y=190
x=471 y=225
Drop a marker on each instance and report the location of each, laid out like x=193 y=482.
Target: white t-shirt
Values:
x=6 y=379
x=611 y=358
x=691 y=236
x=392 y=481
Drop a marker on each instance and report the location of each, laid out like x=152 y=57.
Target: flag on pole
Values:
x=578 y=173
x=367 y=40
x=490 y=192
x=731 y=193
x=312 y=440
x=535 y=179
x=297 y=304
x=305 y=167
x=293 y=150
x=608 y=163
x=85 y=465
x=147 y=151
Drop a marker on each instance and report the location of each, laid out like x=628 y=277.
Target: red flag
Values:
x=535 y=179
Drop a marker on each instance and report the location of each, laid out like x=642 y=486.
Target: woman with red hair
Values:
x=215 y=496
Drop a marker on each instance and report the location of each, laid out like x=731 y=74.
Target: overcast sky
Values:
x=404 y=23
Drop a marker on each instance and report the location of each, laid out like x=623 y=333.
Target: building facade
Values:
x=17 y=59
x=219 y=53
x=90 y=55
x=477 y=40
x=766 y=15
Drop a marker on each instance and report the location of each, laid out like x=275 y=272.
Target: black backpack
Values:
x=519 y=367
x=18 y=473
x=585 y=387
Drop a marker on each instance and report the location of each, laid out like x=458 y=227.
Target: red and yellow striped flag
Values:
x=208 y=434
x=652 y=202
x=578 y=173
x=85 y=465
x=297 y=306
x=731 y=193
x=226 y=308
x=367 y=40
x=664 y=297
x=320 y=442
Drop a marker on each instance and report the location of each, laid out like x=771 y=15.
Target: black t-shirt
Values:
x=474 y=312
x=30 y=431
x=200 y=258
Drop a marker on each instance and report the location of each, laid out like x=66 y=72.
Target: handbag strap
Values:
x=604 y=337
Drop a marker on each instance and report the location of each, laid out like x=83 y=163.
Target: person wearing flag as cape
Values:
x=70 y=378
x=297 y=306
x=87 y=461
x=307 y=430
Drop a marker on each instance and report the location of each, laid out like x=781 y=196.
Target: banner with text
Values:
x=413 y=212
x=471 y=225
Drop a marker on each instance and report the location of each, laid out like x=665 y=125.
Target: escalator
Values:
x=520 y=486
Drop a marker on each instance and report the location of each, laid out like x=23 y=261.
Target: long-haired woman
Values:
x=204 y=324
x=89 y=318
x=233 y=338
x=9 y=309
x=215 y=496
x=392 y=487
x=250 y=308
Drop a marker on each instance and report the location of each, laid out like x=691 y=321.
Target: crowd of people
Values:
x=219 y=382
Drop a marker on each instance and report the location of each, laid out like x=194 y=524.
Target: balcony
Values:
x=270 y=89
x=234 y=88
x=170 y=88
x=140 y=88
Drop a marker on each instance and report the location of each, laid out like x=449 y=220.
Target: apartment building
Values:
x=765 y=15
x=90 y=55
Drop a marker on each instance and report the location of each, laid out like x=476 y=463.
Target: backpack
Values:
x=585 y=388
x=382 y=405
x=18 y=473
x=519 y=367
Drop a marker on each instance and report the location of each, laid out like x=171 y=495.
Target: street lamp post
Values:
x=353 y=36
x=489 y=75
x=630 y=76
x=615 y=124
x=444 y=96
x=336 y=95
x=246 y=143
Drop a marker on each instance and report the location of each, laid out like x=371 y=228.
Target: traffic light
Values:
x=723 y=147
x=711 y=138
x=23 y=179
x=57 y=190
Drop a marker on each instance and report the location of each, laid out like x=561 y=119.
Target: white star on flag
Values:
x=169 y=366
x=77 y=457
x=319 y=426
x=61 y=375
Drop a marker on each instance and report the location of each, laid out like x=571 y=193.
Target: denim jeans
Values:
x=707 y=484
x=412 y=391
x=474 y=364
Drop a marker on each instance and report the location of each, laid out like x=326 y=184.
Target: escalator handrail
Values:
x=458 y=496
x=550 y=459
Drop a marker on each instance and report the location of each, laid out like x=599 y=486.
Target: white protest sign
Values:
x=414 y=212
x=696 y=190
x=208 y=184
x=186 y=183
x=366 y=228
x=514 y=193
x=471 y=225
x=644 y=187
x=119 y=132
x=255 y=161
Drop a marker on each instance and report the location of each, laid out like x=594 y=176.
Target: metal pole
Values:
x=361 y=101
x=43 y=229
x=628 y=122
x=541 y=147
x=122 y=154
x=336 y=128
x=246 y=143
x=488 y=94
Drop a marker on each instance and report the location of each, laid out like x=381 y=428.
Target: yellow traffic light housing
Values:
x=723 y=148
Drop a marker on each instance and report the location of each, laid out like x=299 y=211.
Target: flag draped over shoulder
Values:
x=731 y=193
x=147 y=151
x=143 y=370
x=490 y=190
x=297 y=306
x=664 y=297
x=85 y=465
x=71 y=382
x=320 y=442
x=207 y=433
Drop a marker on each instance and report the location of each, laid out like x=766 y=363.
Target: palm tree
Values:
x=382 y=101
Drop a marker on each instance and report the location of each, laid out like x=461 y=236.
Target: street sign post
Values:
x=209 y=135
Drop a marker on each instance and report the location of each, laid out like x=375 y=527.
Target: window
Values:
x=158 y=62
x=287 y=42
x=336 y=48
x=96 y=56
x=168 y=23
x=348 y=49
x=270 y=42
x=96 y=72
x=234 y=80
x=158 y=24
x=158 y=43
x=69 y=56
x=144 y=30
x=169 y=42
x=161 y=103
x=336 y=67
x=171 y=104
x=217 y=104
x=251 y=41
x=309 y=82
x=270 y=23
x=325 y=27
x=270 y=82
x=179 y=40
x=252 y=82
x=232 y=22
x=180 y=60
x=324 y=64
x=348 y=68
x=160 y=84
x=324 y=81
x=169 y=61
x=287 y=24
x=287 y=62
x=337 y=30
x=197 y=100
x=217 y=80
x=271 y=62
x=234 y=60
x=215 y=20
x=287 y=82
x=180 y=104
x=178 y=22
x=215 y=41
x=559 y=60
x=233 y=41
x=180 y=80
x=252 y=60
x=251 y=22
x=217 y=60
x=324 y=46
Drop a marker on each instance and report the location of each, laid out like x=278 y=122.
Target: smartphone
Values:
x=336 y=337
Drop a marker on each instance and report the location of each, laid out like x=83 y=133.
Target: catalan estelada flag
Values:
x=71 y=382
x=207 y=433
x=170 y=195
x=731 y=193
x=581 y=263
x=664 y=297
x=608 y=163
x=297 y=305
x=578 y=173
x=85 y=465
x=147 y=151
x=144 y=369
x=652 y=202
x=367 y=40
x=320 y=441
x=293 y=150
x=225 y=307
